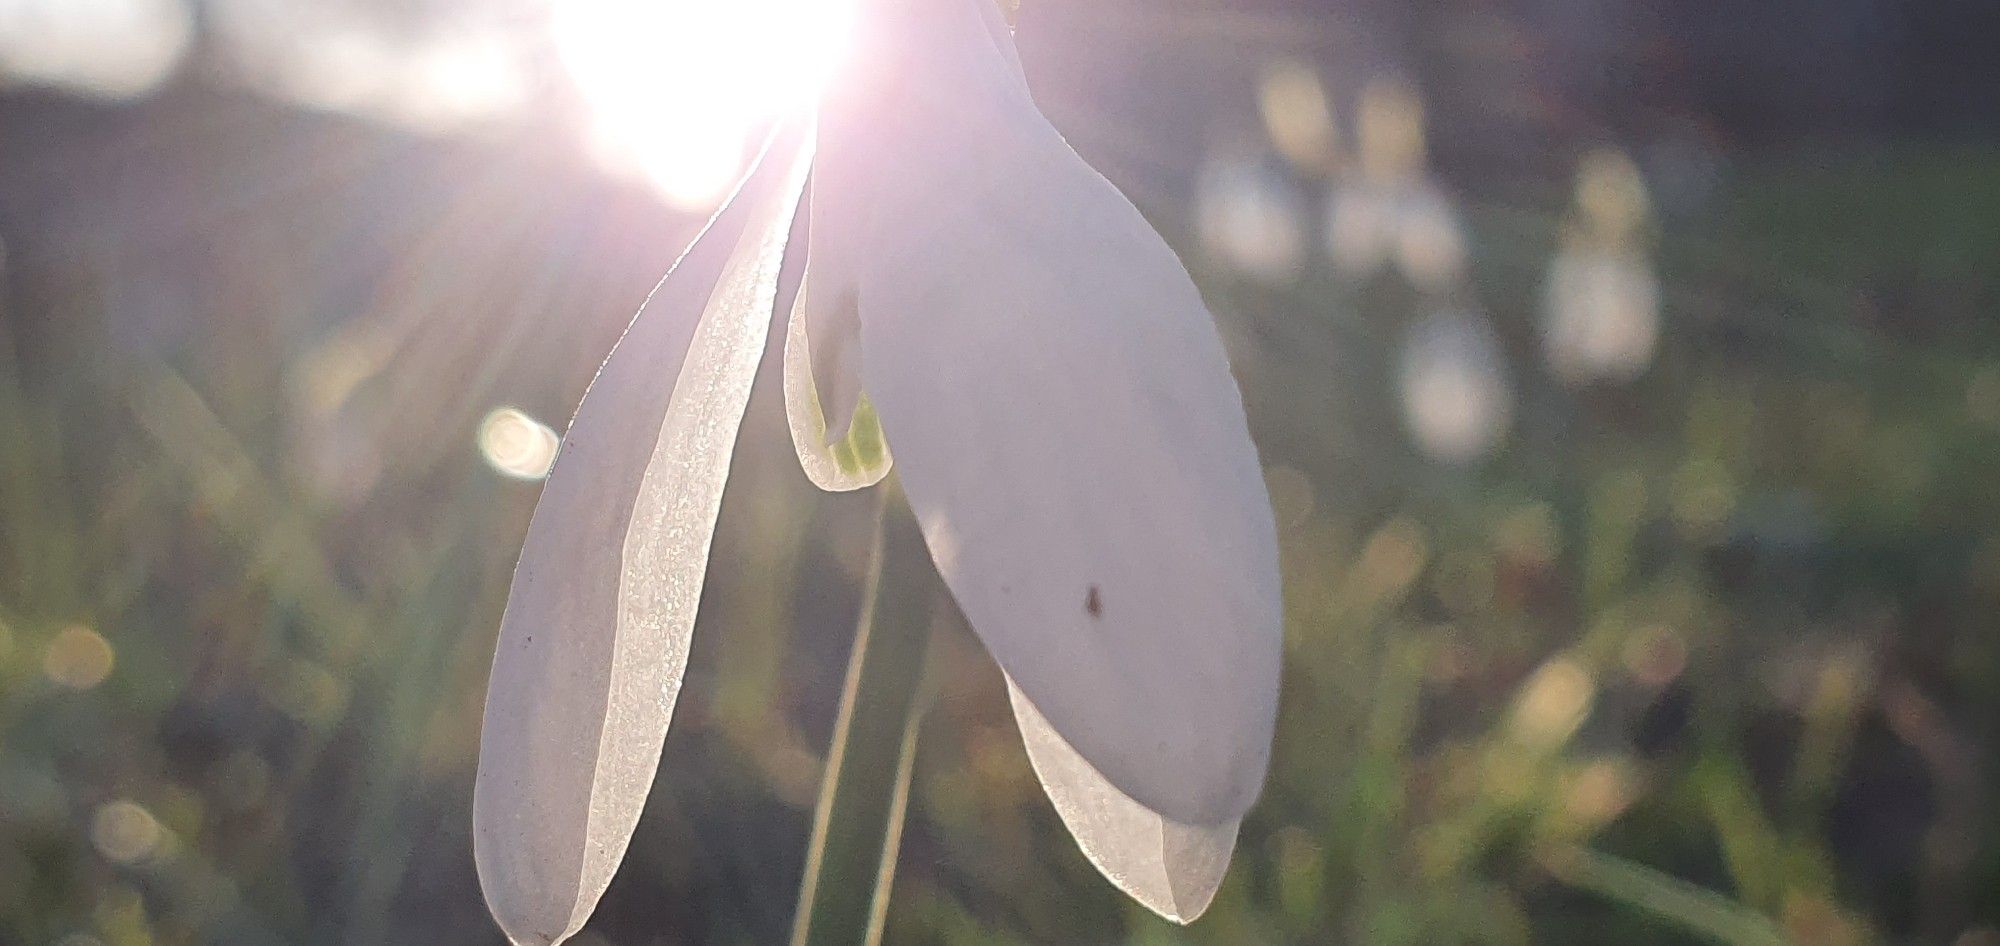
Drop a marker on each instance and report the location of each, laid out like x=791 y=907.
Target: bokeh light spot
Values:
x=1598 y=793
x=1553 y=703
x=1297 y=115
x=517 y=445
x=78 y=658
x=125 y=832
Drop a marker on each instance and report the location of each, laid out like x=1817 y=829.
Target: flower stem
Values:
x=858 y=824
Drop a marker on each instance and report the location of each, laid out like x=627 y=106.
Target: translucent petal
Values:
x=1171 y=868
x=835 y=359
x=873 y=91
x=1002 y=37
x=860 y=457
x=1065 y=425
x=596 y=630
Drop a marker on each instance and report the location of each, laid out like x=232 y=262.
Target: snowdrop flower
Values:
x=1456 y=397
x=1411 y=223
x=1247 y=210
x=1392 y=210
x=1601 y=314
x=1601 y=305
x=1069 y=437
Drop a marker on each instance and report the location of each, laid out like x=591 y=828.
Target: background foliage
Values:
x=1705 y=656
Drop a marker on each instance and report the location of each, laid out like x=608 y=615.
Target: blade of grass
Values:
x=1692 y=907
x=858 y=823
x=857 y=827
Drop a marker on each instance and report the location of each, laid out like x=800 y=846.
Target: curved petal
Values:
x=1002 y=37
x=1065 y=423
x=834 y=362
x=859 y=457
x=596 y=630
x=1171 y=868
x=897 y=35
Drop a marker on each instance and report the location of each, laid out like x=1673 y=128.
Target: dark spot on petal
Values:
x=1093 y=603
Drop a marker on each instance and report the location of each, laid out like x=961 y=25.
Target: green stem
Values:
x=858 y=824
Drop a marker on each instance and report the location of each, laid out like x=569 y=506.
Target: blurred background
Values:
x=1626 y=375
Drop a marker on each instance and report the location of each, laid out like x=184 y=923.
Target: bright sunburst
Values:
x=678 y=87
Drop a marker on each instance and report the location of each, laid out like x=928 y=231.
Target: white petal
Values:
x=596 y=631
x=829 y=312
x=1001 y=36
x=875 y=91
x=1067 y=428
x=834 y=360
x=859 y=457
x=1171 y=868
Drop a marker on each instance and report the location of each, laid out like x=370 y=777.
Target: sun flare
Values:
x=678 y=88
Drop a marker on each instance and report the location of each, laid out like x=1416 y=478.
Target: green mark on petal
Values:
x=863 y=451
x=859 y=459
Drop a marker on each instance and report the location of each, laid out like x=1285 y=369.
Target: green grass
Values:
x=1707 y=658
